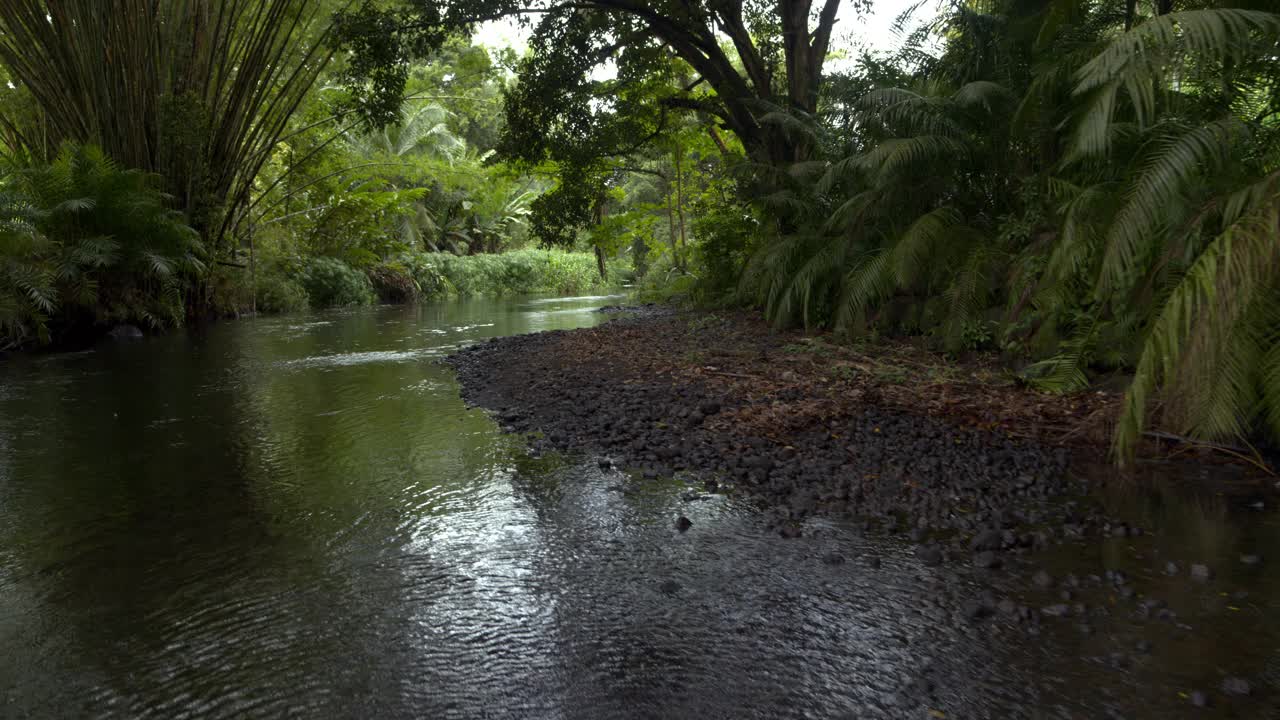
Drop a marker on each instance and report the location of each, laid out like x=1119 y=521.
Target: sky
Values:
x=873 y=30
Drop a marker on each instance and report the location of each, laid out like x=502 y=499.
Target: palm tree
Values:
x=1098 y=197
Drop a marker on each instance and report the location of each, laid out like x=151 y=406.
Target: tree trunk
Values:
x=598 y=217
x=671 y=226
x=684 y=244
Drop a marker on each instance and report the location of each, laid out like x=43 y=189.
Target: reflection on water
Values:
x=297 y=516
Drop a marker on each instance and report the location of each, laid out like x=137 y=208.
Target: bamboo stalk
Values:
x=107 y=71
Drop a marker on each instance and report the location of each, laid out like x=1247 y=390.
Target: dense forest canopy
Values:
x=1090 y=189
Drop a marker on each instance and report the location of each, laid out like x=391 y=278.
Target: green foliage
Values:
x=727 y=234
x=279 y=294
x=329 y=282
x=198 y=93
x=1083 y=186
x=1055 y=187
x=529 y=271
x=28 y=296
x=394 y=283
x=430 y=280
x=83 y=242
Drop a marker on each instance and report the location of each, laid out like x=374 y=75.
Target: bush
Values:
x=279 y=294
x=330 y=283
x=665 y=283
x=230 y=290
x=84 y=242
x=520 y=272
x=426 y=273
x=727 y=234
x=393 y=283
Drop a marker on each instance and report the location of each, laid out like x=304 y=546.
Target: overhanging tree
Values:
x=762 y=59
x=197 y=91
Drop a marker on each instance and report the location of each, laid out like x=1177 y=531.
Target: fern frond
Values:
x=1199 y=316
x=1174 y=162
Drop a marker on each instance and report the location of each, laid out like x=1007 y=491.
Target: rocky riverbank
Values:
x=973 y=470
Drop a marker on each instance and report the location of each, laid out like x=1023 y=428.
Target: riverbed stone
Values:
x=986 y=559
x=1058 y=610
x=1201 y=573
x=125 y=332
x=930 y=555
x=989 y=539
x=1236 y=686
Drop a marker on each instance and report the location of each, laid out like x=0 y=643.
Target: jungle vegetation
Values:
x=1091 y=189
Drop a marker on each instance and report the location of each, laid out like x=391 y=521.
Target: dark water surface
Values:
x=297 y=517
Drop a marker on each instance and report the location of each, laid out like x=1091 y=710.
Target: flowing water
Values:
x=297 y=517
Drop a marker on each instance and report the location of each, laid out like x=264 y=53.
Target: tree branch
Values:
x=731 y=21
x=822 y=36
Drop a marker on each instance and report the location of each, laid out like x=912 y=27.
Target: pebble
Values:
x=1056 y=610
x=930 y=555
x=1171 y=568
x=1199 y=698
x=683 y=523
x=833 y=558
x=1201 y=573
x=1236 y=686
x=1251 y=559
x=989 y=539
x=986 y=559
x=1042 y=579
x=974 y=610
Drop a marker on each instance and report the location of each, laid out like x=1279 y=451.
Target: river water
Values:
x=298 y=517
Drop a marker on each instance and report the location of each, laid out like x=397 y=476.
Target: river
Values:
x=298 y=517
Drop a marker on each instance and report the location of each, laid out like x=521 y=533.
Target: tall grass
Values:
x=519 y=272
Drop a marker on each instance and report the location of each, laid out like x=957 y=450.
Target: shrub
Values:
x=84 y=242
x=27 y=291
x=280 y=294
x=426 y=273
x=393 y=283
x=330 y=282
x=521 y=272
x=230 y=290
